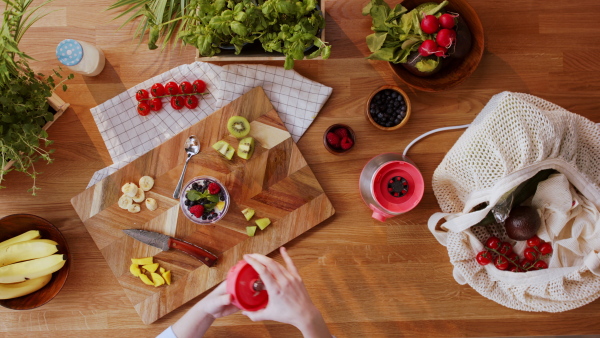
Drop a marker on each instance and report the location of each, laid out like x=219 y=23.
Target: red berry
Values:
x=534 y=241
x=505 y=248
x=493 y=243
x=214 y=188
x=197 y=210
x=484 y=257
x=346 y=143
x=341 y=132
x=540 y=265
x=531 y=254
x=501 y=263
x=333 y=140
x=545 y=248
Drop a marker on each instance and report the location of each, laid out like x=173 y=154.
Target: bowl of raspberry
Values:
x=339 y=139
x=204 y=200
x=388 y=108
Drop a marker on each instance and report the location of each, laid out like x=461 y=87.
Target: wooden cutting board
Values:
x=276 y=182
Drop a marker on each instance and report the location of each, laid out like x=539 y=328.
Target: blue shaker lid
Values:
x=69 y=52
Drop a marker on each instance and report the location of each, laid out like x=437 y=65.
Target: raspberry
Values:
x=197 y=210
x=333 y=139
x=346 y=143
x=214 y=188
x=341 y=132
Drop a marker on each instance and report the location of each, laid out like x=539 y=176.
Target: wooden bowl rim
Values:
x=334 y=126
x=66 y=267
x=406 y=99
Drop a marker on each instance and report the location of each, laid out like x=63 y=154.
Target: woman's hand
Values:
x=218 y=302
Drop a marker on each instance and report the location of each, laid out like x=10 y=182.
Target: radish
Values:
x=445 y=37
x=430 y=24
x=441 y=52
x=427 y=48
x=446 y=21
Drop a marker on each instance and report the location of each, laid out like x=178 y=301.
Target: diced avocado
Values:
x=263 y=223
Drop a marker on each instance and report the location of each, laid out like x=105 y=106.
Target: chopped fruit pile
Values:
x=388 y=108
x=239 y=127
x=205 y=200
x=180 y=95
x=148 y=265
x=340 y=139
x=132 y=193
x=261 y=223
x=501 y=253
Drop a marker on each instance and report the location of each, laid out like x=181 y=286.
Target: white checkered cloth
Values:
x=128 y=135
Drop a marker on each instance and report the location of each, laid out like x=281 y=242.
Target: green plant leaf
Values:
x=376 y=40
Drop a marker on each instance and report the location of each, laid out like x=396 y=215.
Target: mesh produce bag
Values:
x=514 y=138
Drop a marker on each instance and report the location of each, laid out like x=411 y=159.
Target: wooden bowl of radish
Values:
x=463 y=39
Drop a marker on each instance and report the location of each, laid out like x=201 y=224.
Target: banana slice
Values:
x=129 y=189
x=125 y=202
x=146 y=183
x=151 y=204
x=140 y=196
x=134 y=208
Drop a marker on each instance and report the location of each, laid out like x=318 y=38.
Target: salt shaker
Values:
x=80 y=57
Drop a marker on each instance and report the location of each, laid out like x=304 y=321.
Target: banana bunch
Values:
x=132 y=193
x=27 y=263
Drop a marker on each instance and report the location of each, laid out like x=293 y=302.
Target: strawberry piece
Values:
x=197 y=210
x=333 y=139
x=341 y=132
x=346 y=143
x=214 y=188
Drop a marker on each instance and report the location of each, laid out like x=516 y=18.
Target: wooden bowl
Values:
x=454 y=71
x=408 y=109
x=334 y=150
x=14 y=225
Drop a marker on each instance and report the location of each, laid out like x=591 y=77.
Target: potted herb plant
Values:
x=24 y=107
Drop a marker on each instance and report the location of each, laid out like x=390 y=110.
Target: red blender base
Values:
x=246 y=288
x=398 y=186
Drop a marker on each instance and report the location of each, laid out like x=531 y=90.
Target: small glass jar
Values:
x=80 y=57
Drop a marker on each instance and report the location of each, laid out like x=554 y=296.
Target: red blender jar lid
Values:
x=245 y=287
x=398 y=186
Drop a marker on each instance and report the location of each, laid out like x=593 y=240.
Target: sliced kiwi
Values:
x=246 y=148
x=224 y=149
x=248 y=213
x=238 y=126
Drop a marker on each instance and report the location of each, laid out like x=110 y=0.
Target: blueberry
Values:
x=195 y=186
x=222 y=197
x=394 y=94
x=389 y=124
x=403 y=114
x=388 y=111
x=396 y=121
x=187 y=203
x=204 y=217
x=380 y=115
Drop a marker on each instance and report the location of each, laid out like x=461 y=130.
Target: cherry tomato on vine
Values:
x=484 y=257
x=513 y=258
x=531 y=254
x=515 y=268
x=141 y=94
x=157 y=89
x=493 y=243
x=545 y=248
x=143 y=108
x=186 y=87
x=526 y=264
x=177 y=102
x=155 y=104
x=540 y=265
x=191 y=102
x=505 y=248
x=199 y=86
x=534 y=241
x=172 y=88
x=501 y=263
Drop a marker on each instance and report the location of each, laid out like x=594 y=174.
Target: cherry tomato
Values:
x=540 y=265
x=534 y=241
x=493 y=242
x=143 y=108
x=505 y=248
x=177 y=102
x=545 y=248
x=526 y=264
x=513 y=258
x=530 y=254
x=501 y=263
x=157 y=90
x=186 y=87
x=141 y=94
x=199 y=86
x=155 y=104
x=515 y=268
x=484 y=257
x=172 y=88
x=191 y=102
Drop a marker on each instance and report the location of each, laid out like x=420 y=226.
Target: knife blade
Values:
x=165 y=243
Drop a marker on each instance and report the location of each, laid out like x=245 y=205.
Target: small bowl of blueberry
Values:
x=204 y=200
x=388 y=108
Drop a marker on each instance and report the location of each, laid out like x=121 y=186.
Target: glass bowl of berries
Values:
x=339 y=139
x=204 y=200
x=388 y=108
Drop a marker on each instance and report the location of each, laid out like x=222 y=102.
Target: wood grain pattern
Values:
x=369 y=279
x=273 y=182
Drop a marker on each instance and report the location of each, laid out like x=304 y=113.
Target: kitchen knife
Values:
x=165 y=243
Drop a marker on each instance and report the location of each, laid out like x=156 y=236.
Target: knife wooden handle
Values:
x=195 y=251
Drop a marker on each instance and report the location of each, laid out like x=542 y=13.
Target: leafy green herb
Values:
x=194 y=195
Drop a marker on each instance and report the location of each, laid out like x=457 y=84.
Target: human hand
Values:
x=289 y=302
x=218 y=302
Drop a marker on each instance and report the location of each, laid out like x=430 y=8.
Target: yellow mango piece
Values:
x=135 y=270
x=143 y=261
x=158 y=280
x=162 y=270
x=151 y=267
x=167 y=276
x=146 y=280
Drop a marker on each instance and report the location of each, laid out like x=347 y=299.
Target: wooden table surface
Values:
x=370 y=279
